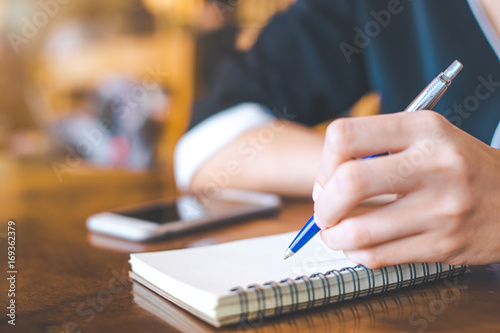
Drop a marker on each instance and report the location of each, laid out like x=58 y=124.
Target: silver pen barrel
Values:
x=429 y=97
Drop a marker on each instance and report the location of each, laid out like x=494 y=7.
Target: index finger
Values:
x=353 y=138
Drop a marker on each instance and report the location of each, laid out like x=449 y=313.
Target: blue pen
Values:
x=425 y=101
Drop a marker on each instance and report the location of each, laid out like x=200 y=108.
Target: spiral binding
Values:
x=243 y=303
x=310 y=290
x=261 y=300
x=278 y=296
x=327 y=297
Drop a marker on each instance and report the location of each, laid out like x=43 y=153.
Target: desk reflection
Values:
x=115 y=244
x=410 y=310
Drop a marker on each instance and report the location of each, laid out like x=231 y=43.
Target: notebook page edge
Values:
x=176 y=289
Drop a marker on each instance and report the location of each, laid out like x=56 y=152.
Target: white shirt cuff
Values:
x=213 y=134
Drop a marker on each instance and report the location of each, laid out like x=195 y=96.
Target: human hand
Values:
x=448 y=186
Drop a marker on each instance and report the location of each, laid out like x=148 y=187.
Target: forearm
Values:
x=281 y=157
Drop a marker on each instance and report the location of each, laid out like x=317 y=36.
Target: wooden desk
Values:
x=72 y=281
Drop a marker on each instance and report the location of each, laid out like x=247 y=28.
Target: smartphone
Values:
x=187 y=212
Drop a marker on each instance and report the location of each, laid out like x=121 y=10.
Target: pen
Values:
x=426 y=100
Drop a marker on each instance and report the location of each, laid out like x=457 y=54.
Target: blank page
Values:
x=218 y=268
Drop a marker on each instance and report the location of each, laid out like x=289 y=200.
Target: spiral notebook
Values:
x=248 y=280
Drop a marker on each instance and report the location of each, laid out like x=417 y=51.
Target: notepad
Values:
x=248 y=280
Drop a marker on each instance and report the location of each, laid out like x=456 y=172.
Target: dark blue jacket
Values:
x=321 y=56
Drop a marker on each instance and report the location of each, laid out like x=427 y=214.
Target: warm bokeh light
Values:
x=256 y=13
x=55 y=71
x=176 y=11
x=249 y=13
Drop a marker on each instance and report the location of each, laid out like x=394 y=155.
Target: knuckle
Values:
x=431 y=120
x=349 y=179
x=457 y=206
x=357 y=235
x=454 y=158
x=338 y=133
x=455 y=166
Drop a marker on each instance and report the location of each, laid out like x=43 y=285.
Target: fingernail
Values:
x=317 y=189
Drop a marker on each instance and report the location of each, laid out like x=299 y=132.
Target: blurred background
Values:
x=95 y=94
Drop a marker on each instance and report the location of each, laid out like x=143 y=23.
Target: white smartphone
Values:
x=188 y=212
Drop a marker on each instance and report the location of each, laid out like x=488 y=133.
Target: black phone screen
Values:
x=159 y=213
x=186 y=208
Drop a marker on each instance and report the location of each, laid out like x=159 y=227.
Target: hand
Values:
x=448 y=186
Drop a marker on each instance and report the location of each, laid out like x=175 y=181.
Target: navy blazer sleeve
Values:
x=296 y=68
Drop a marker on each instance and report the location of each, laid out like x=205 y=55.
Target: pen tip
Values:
x=288 y=254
